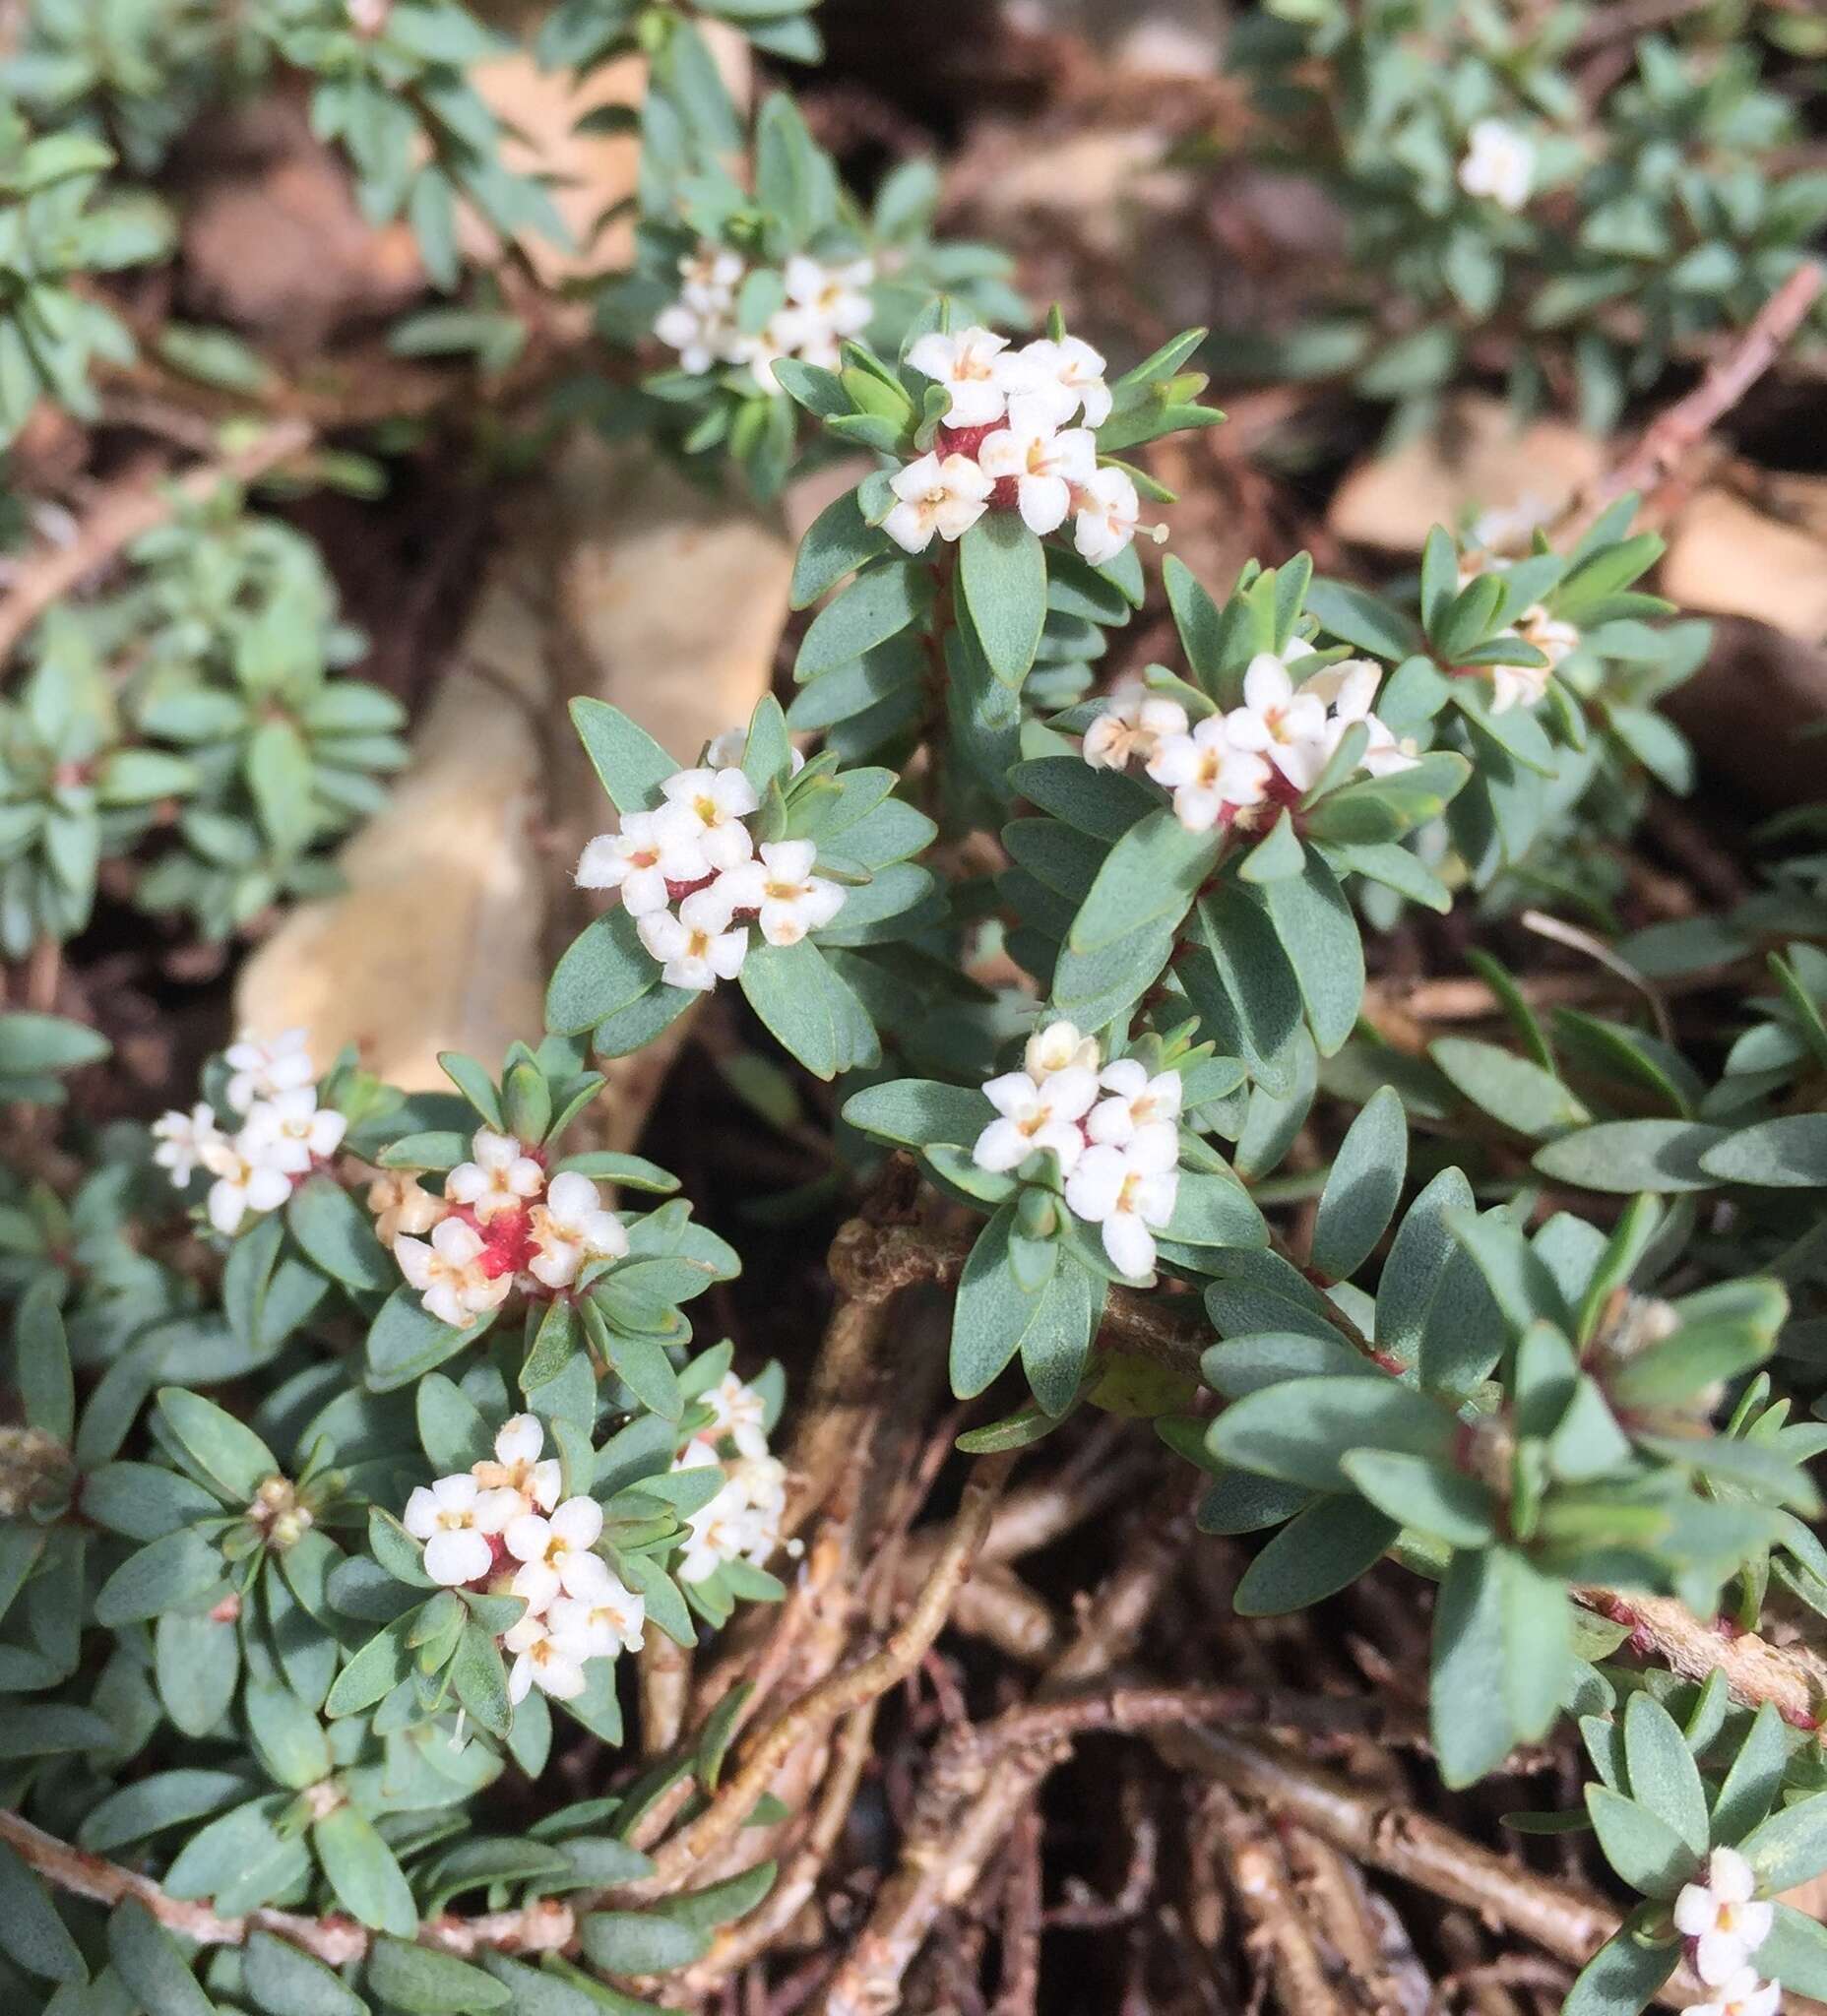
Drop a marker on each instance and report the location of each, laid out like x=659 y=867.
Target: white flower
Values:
x=1744 y=1994
x=1045 y=466
x=517 y=1480
x=1065 y=376
x=502 y=1176
x=700 y=334
x=261 y=1070
x=1136 y=1103
x=546 y=1657
x=444 y=1517
x=1035 y=1118
x=781 y=885
x=695 y=949
x=1277 y=719
x=550 y=1549
x=1107 y=515
x=182 y=1139
x=602 y=1615
x=291 y=1130
x=762 y=349
x=970 y=365
x=947 y=497
x=571 y=1228
x=1723 y=1917
x=711 y=276
x=729 y=747
x=245 y=1180
x=1132 y=726
x=739 y=1411
x=718 y=802
x=1347 y=689
x=1059 y=1047
x=1526 y=685
x=448 y=1273
x=761 y=1482
x=1205 y=772
x=1499 y=162
x=1126 y=1191
x=741 y=1522
x=402 y=1204
x=831 y=304
x=650 y=852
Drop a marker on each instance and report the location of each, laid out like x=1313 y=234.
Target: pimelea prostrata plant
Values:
x=363 y=1441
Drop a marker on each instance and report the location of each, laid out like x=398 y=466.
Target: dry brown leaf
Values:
x=1726 y=556
x=1473 y=461
x=620 y=580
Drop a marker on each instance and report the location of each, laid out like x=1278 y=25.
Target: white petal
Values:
x=1093 y=1188
x=1045 y=502
x=578 y=1521
x=420 y=1517
x=527 y=1537
x=1730 y=1877
x=1129 y=1244
x=1001 y=1147
x=910 y=528
x=1717 y=1957
x=457 y=1556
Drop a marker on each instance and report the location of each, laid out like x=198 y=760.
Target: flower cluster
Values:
x=1553 y=636
x=1269 y=751
x=284 y=1133
x=694 y=851
x=501 y=1224
x=743 y=1521
x=822 y=307
x=1007 y=442
x=501 y=1526
x=1498 y=164
x=1724 y=1923
x=1113 y=1128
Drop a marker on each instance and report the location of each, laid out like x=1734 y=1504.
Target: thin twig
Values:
x=839 y=1694
x=1669 y=438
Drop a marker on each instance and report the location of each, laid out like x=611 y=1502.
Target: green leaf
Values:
x=405 y=1342
x=283 y=1980
x=1752 y=1785
x=1789 y=1847
x=427 y=1982
x=630 y=764
x=1003 y=579
x=1153 y=872
x=1511 y=1089
x=230 y=1456
x=47 y=1382
x=809 y=1009
x=721 y=1904
x=30 y=1931
x=835 y=543
x=1319 y=934
x=1626 y=1156
x=603 y=971
x=165 y=1576
x=632 y=1942
x=361 y=1869
x=1795 y=1952
x=1662 y=1772
x=480 y=1682
x=1622 y=1976
x=1299 y=1430
x=1789 y=1152
x=153 y=1966
x=1427 y=1495
x=1645 y=1850
x=1500 y=1661
x=991 y=1314
x=1362 y=1188
x=1319 y=1552
x=376 y=1670
x=878 y=604
x=338 y=1235
x=915 y=1112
